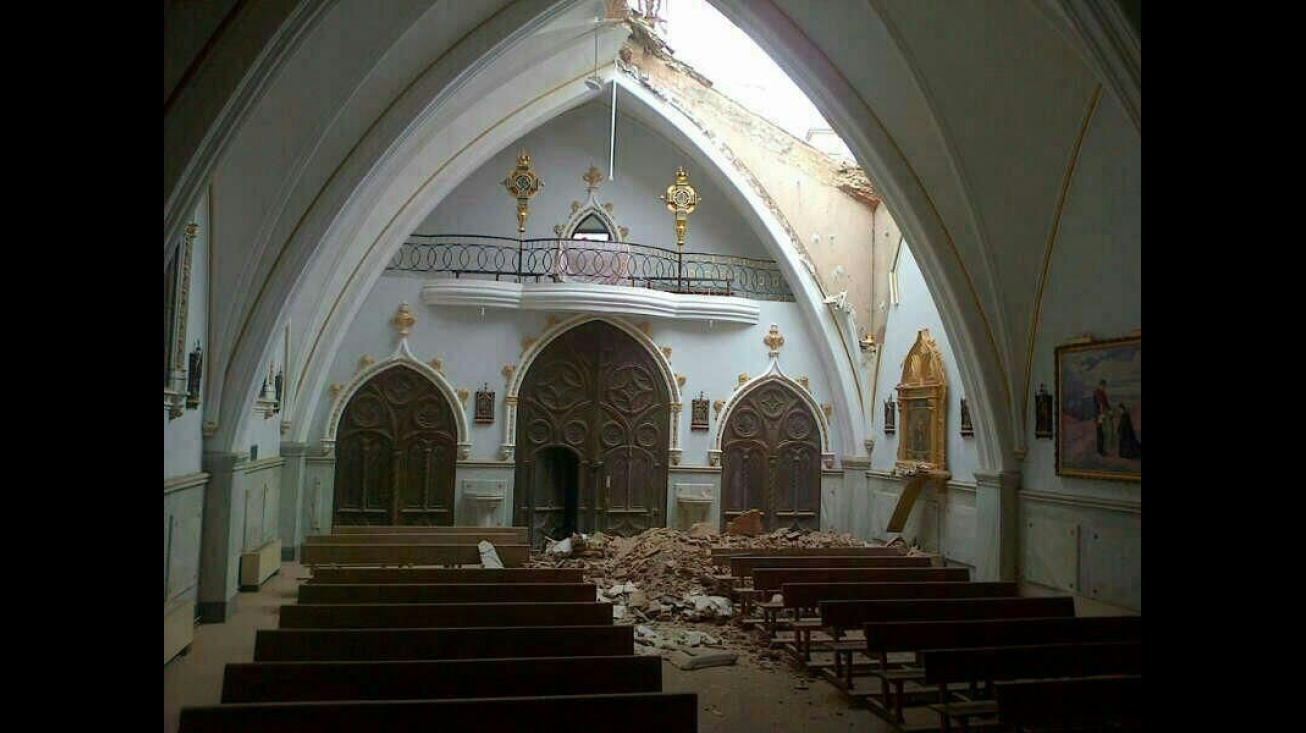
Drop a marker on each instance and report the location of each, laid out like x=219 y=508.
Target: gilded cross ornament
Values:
x=403 y=319
x=681 y=198
x=774 y=340
x=592 y=178
x=522 y=184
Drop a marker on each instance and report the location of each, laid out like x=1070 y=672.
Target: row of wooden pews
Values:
x=947 y=651
x=415 y=546
x=419 y=648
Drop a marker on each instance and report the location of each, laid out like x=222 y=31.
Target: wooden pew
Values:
x=1111 y=702
x=721 y=555
x=983 y=665
x=441 y=678
x=643 y=712
x=414 y=538
x=446 y=575
x=433 y=615
x=445 y=592
x=468 y=642
x=398 y=555
x=891 y=637
x=743 y=566
x=519 y=535
x=836 y=617
x=768 y=582
x=800 y=597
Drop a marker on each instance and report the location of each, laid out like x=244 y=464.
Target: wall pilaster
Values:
x=221 y=538
x=292 y=524
x=996 y=529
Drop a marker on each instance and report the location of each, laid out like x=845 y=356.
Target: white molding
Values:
x=189 y=481
x=581 y=297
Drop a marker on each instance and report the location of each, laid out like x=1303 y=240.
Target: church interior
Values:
x=516 y=264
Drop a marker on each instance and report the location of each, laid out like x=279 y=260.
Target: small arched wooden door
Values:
x=396 y=453
x=598 y=393
x=771 y=459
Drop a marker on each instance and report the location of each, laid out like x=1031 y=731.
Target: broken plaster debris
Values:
x=664 y=582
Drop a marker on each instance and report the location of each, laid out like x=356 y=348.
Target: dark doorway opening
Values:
x=558 y=475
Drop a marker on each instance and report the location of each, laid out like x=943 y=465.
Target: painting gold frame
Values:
x=1100 y=409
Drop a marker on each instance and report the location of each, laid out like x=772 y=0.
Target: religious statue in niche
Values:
x=890 y=416
x=484 y=405
x=1042 y=413
x=194 y=375
x=966 y=427
x=698 y=413
x=277 y=382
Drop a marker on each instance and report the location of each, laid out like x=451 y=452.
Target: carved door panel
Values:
x=364 y=477
x=396 y=453
x=745 y=468
x=596 y=391
x=771 y=459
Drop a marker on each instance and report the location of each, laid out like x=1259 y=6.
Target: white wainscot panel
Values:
x=252 y=537
x=959 y=533
x=1050 y=553
x=1113 y=565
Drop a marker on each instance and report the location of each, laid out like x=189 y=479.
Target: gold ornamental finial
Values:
x=522 y=184
x=403 y=319
x=774 y=340
x=681 y=198
x=592 y=178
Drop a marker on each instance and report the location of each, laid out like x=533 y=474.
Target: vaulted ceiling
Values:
x=323 y=132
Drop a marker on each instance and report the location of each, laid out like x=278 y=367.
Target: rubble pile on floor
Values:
x=665 y=574
x=663 y=581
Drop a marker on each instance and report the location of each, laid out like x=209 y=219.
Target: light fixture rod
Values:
x=612 y=135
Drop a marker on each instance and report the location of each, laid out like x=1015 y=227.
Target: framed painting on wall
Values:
x=1100 y=409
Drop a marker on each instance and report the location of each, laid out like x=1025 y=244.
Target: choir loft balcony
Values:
x=585 y=276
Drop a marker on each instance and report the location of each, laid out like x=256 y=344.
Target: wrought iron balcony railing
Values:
x=578 y=260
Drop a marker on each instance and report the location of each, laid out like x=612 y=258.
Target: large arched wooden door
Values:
x=396 y=453
x=771 y=459
x=598 y=393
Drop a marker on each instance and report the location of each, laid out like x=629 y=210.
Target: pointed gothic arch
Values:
x=594 y=393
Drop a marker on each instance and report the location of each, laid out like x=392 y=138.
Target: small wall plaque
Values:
x=1042 y=413
x=484 y=405
x=698 y=414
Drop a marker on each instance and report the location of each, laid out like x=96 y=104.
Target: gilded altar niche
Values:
x=922 y=409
